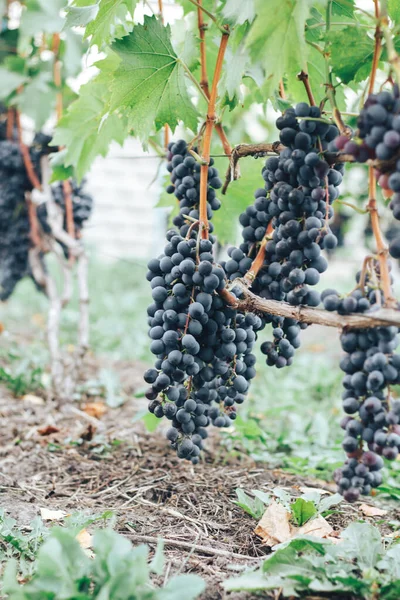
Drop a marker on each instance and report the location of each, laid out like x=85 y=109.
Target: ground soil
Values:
x=113 y=463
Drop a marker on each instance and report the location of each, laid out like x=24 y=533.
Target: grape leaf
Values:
x=10 y=81
x=87 y=129
x=38 y=98
x=344 y=8
x=71 y=53
x=239 y=11
x=150 y=80
x=354 y=65
x=101 y=18
x=229 y=85
x=394 y=10
x=41 y=15
x=80 y=15
x=278 y=35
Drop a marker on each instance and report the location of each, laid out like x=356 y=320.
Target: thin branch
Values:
x=303 y=76
x=202 y=27
x=210 y=121
x=381 y=247
x=304 y=314
x=265 y=149
x=209 y=14
x=393 y=57
x=193 y=547
x=203 y=56
x=377 y=50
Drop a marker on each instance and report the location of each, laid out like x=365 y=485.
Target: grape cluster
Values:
x=14 y=222
x=371 y=366
x=82 y=205
x=202 y=346
x=290 y=216
x=379 y=138
x=185 y=184
x=14 y=225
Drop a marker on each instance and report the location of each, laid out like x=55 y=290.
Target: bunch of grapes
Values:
x=295 y=205
x=14 y=224
x=379 y=138
x=82 y=205
x=371 y=366
x=185 y=184
x=202 y=346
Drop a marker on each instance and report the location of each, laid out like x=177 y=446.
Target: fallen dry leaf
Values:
x=85 y=539
x=48 y=430
x=318 y=527
x=95 y=409
x=32 y=399
x=52 y=515
x=274 y=526
x=306 y=490
x=372 y=511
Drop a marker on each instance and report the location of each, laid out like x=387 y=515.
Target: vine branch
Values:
x=304 y=314
x=210 y=121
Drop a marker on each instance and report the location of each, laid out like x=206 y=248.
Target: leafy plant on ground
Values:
x=117 y=570
x=21 y=376
x=358 y=564
x=302 y=509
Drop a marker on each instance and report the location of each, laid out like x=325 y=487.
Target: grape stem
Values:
x=303 y=77
x=258 y=261
x=304 y=314
x=213 y=18
x=381 y=247
x=166 y=127
x=202 y=27
x=10 y=123
x=67 y=189
x=264 y=149
x=210 y=120
x=377 y=50
x=393 y=57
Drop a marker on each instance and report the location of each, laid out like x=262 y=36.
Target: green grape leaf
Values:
x=150 y=81
x=38 y=98
x=239 y=12
x=10 y=81
x=71 y=53
x=80 y=16
x=40 y=16
x=59 y=172
x=278 y=35
x=87 y=128
x=344 y=8
x=101 y=18
x=229 y=85
x=8 y=43
x=394 y=10
x=354 y=65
